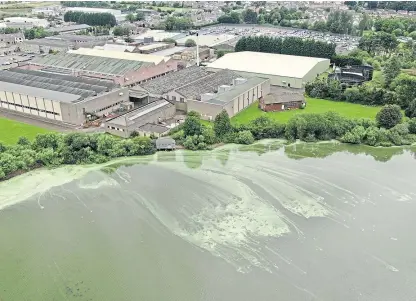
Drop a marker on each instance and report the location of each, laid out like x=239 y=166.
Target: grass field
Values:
x=11 y=130
x=313 y=106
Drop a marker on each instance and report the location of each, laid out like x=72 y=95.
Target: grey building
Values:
x=165 y=143
x=141 y=120
x=58 y=97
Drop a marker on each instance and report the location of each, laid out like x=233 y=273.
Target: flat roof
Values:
x=267 y=63
x=38 y=92
x=153 y=46
x=208 y=40
x=169 y=51
x=149 y=58
x=116 y=47
x=69 y=28
x=227 y=96
x=157 y=35
x=135 y=115
x=154 y=128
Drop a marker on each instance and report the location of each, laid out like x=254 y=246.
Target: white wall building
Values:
x=282 y=70
x=29 y=21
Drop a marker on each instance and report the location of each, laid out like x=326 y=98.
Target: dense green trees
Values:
x=345 y=60
x=93 y=19
x=190 y=43
x=54 y=149
x=231 y=18
x=9 y=30
x=389 y=25
x=102 y=4
x=289 y=45
x=411 y=109
x=389 y=116
x=391 y=70
x=121 y=31
x=36 y=33
x=340 y=22
x=173 y=23
x=378 y=43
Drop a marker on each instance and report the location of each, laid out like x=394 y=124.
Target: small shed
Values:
x=282 y=99
x=165 y=143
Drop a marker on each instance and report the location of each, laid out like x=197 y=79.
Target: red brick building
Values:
x=282 y=99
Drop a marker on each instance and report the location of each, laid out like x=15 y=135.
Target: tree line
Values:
x=289 y=45
x=54 y=149
x=103 y=4
x=92 y=19
x=388 y=129
x=9 y=30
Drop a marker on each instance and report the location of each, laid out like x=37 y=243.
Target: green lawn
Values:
x=11 y=130
x=313 y=106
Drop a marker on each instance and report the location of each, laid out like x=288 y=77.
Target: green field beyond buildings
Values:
x=314 y=105
x=10 y=131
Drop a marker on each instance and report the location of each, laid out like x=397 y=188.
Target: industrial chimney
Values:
x=197 y=49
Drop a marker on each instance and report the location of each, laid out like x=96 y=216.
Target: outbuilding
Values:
x=282 y=70
x=282 y=99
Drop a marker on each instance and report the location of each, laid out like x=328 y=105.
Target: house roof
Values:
x=284 y=94
x=153 y=128
x=208 y=84
x=267 y=63
x=149 y=58
x=174 y=80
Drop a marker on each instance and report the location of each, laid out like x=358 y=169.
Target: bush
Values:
x=244 y=137
x=412 y=126
x=389 y=116
x=411 y=109
x=192 y=126
x=190 y=43
x=355 y=136
x=222 y=124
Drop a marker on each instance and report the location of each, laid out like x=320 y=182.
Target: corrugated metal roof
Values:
x=89 y=63
x=38 y=92
x=174 y=80
x=267 y=63
x=208 y=84
x=69 y=28
x=149 y=58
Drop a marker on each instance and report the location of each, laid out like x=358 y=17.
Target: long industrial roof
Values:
x=174 y=80
x=149 y=58
x=54 y=83
x=208 y=84
x=267 y=63
x=90 y=63
x=207 y=40
x=38 y=92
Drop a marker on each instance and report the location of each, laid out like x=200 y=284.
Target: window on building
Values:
x=182 y=99
x=174 y=98
x=288 y=85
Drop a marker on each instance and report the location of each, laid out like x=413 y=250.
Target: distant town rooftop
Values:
x=120 y=55
x=69 y=28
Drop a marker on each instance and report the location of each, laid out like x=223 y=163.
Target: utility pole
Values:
x=197 y=49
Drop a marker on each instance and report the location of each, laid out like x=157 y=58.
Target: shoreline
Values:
x=217 y=146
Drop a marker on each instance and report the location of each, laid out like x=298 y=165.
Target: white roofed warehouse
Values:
x=282 y=70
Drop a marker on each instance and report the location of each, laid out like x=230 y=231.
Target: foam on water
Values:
x=39 y=181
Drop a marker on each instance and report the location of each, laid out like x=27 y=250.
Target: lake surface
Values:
x=263 y=222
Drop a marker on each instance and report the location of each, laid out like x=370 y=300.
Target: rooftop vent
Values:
x=224 y=88
x=207 y=96
x=239 y=81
